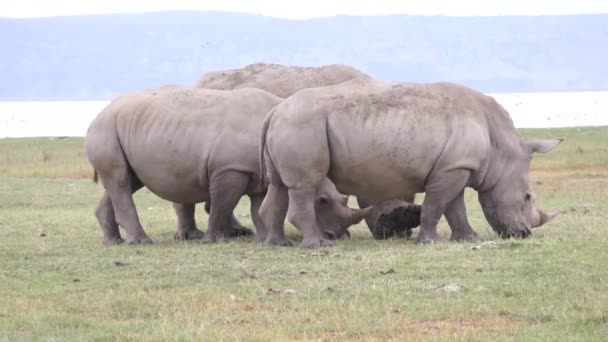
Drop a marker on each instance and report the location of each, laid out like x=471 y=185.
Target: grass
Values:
x=57 y=282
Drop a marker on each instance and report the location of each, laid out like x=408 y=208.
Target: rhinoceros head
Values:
x=333 y=214
x=509 y=204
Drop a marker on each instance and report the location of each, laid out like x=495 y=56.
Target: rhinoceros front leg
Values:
x=272 y=214
x=440 y=191
x=186 y=222
x=302 y=215
x=456 y=215
x=225 y=192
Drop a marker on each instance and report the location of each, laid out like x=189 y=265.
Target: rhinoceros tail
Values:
x=261 y=160
x=95 y=179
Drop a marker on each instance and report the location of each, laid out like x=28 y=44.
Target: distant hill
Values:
x=100 y=56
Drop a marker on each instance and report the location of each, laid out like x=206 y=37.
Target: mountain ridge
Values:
x=96 y=57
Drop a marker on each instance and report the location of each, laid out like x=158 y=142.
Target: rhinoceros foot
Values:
x=427 y=237
x=236 y=232
x=189 y=234
x=140 y=240
x=464 y=236
x=278 y=241
x=113 y=241
x=317 y=243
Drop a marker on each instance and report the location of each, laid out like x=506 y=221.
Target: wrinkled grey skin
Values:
x=280 y=80
x=387 y=140
x=187 y=146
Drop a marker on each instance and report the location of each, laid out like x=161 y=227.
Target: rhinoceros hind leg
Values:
x=107 y=217
x=441 y=190
x=237 y=228
x=107 y=221
x=120 y=188
x=456 y=215
x=186 y=224
x=225 y=192
x=273 y=211
x=256 y=203
x=302 y=215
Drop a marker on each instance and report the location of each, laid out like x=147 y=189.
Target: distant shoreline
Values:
x=20 y=119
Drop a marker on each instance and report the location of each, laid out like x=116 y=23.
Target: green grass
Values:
x=58 y=282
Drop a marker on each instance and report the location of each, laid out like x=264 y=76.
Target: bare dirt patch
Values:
x=421 y=329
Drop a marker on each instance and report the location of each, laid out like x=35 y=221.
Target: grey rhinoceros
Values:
x=385 y=140
x=189 y=145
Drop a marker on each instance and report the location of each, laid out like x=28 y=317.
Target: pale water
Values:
x=528 y=110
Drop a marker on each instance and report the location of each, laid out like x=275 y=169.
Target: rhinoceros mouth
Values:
x=517 y=231
x=331 y=235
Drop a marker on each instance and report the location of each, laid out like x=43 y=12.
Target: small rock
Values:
x=272 y=291
x=235 y=298
x=389 y=271
x=448 y=288
x=76 y=280
x=488 y=245
x=42 y=234
x=120 y=263
x=290 y=292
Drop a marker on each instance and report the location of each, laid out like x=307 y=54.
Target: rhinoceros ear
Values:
x=542 y=146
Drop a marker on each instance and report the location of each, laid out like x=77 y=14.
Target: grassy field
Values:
x=57 y=281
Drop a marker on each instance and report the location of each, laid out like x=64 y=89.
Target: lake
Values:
x=528 y=110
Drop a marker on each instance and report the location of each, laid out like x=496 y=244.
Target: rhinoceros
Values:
x=280 y=80
x=188 y=145
x=385 y=140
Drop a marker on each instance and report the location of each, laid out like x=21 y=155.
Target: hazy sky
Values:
x=305 y=8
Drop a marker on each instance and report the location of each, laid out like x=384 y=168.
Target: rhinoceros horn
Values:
x=544 y=217
x=359 y=214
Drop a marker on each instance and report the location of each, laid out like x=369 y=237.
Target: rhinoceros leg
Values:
x=107 y=221
x=302 y=215
x=272 y=213
x=225 y=192
x=107 y=217
x=126 y=215
x=237 y=229
x=186 y=224
x=440 y=191
x=256 y=203
x=456 y=215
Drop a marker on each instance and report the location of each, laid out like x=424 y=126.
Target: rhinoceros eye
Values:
x=528 y=196
x=323 y=200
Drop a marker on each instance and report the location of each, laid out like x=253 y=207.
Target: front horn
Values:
x=544 y=218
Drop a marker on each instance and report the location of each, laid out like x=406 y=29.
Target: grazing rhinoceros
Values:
x=387 y=140
x=280 y=80
x=189 y=145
